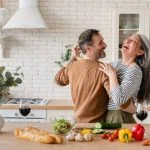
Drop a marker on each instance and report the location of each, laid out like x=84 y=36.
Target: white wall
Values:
x=36 y=50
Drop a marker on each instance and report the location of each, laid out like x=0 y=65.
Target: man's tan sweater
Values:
x=88 y=89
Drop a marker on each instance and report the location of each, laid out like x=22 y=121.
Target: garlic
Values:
x=79 y=137
x=88 y=137
x=70 y=137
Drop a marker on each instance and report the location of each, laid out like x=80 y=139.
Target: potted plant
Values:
x=65 y=56
x=7 y=80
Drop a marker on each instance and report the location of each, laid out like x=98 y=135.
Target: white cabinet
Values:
x=57 y=114
x=127 y=21
x=13 y=115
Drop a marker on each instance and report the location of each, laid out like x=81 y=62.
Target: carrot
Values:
x=146 y=142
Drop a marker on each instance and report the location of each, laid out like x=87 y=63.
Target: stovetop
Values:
x=35 y=101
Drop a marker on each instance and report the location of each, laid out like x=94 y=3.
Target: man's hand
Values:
x=75 y=52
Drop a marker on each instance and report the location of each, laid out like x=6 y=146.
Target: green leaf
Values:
x=1 y=76
x=65 y=56
x=8 y=74
x=9 y=81
x=22 y=74
x=18 y=68
x=2 y=82
x=18 y=81
x=2 y=68
x=16 y=74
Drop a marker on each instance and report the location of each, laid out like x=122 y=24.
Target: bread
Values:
x=58 y=139
x=36 y=135
x=36 y=131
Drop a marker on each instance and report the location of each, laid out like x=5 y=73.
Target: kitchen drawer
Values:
x=13 y=115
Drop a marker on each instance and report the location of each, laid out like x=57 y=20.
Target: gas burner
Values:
x=35 y=101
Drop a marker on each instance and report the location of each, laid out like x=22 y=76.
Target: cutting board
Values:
x=84 y=125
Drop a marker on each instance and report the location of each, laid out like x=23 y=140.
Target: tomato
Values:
x=115 y=134
x=111 y=139
x=104 y=136
x=109 y=135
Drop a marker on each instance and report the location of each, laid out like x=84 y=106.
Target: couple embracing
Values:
x=107 y=92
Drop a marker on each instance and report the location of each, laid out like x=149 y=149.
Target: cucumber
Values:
x=104 y=125
x=97 y=131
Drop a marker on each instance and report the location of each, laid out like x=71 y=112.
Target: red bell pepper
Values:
x=138 y=132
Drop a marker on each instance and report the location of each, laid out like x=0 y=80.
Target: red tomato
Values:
x=115 y=134
x=109 y=135
x=111 y=139
x=104 y=136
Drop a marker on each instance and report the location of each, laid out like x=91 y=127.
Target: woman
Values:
x=133 y=79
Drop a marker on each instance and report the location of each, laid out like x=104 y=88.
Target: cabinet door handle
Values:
x=16 y=114
x=31 y=114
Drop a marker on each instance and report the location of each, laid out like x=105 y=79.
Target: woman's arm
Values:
x=129 y=85
x=111 y=73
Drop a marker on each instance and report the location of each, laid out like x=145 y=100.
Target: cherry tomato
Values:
x=109 y=135
x=111 y=139
x=115 y=134
x=104 y=136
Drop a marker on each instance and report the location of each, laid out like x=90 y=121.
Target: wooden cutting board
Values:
x=84 y=125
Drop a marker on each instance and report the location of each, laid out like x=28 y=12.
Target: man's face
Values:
x=97 y=49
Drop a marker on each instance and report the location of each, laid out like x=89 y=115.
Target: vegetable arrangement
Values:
x=61 y=126
x=126 y=135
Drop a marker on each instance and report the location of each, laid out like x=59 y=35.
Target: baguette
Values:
x=36 y=131
x=58 y=139
x=27 y=135
x=37 y=135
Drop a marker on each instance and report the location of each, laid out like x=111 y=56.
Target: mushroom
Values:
x=88 y=137
x=79 y=137
x=70 y=137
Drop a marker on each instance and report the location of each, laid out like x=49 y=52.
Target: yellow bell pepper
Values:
x=86 y=131
x=125 y=135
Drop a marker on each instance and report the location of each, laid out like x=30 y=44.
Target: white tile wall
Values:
x=37 y=49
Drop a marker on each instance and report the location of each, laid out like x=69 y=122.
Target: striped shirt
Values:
x=130 y=80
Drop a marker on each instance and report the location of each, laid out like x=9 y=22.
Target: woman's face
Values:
x=131 y=46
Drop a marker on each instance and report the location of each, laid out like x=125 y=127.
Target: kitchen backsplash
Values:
x=35 y=50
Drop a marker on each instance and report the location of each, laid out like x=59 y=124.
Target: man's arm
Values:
x=62 y=77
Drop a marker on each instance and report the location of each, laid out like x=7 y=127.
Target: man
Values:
x=88 y=84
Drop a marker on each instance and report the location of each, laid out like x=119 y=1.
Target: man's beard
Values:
x=103 y=54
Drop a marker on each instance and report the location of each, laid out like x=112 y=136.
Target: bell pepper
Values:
x=125 y=135
x=138 y=132
x=86 y=131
